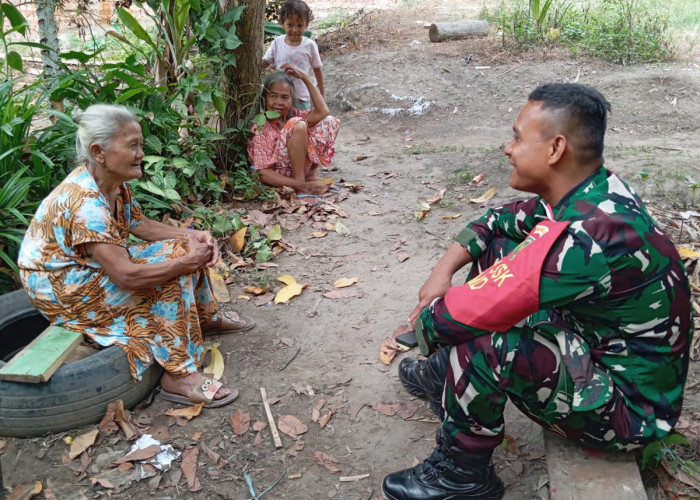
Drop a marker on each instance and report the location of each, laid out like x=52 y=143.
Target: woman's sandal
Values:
x=203 y=392
x=242 y=324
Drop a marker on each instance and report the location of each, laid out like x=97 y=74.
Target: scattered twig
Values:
x=509 y=70
x=290 y=359
x=273 y=427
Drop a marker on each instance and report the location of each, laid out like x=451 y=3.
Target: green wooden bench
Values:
x=42 y=357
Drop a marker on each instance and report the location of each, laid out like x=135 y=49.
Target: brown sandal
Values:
x=240 y=322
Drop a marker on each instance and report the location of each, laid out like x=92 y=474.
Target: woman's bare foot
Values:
x=184 y=385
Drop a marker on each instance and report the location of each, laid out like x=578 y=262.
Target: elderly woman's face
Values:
x=123 y=158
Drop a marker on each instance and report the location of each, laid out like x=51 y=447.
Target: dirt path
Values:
x=317 y=348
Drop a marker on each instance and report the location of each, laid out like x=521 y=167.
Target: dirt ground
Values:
x=416 y=118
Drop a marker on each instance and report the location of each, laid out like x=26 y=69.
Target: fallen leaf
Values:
x=511 y=445
x=342 y=294
x=316 y=410
x=438 y=197
x=360 y=158
x=216 y=366
x=422 y=210
x=240 y=421
x=274 y=233
x=318 y=234
x=345 y=282
x=263 y=299
x=213 y=456
x=388 y=350
x=25 y=491
x=189 y=413
x=403 y=256
x=238 y=239
x=218 y=286
x=687 y=253
x=287 y=341
x=107 y=425
x=323 y=421
x=354 y=410
x=291 y=290
x=189 y=467
x=256 y=290
x=341 y=229
x=295 y=449
x=243 y=297
x=485 y=197
x=123 y=419
x=326 y=461
x=139 y=454
x=82 y=443
x=387 y=409
x=291 y=426
x=328 y=180
x=259 y=425
x=478 y=179
x=345 y=479
x=450 y=217
x=410 y=408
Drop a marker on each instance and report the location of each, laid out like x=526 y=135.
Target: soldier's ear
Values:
x=557 y=148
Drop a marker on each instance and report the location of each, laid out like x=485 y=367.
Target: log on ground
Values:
x=457 y=29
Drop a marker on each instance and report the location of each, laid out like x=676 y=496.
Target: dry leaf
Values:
x=342 y=294
x=238 y=239
x=215 y=368
x=360 y=158
x=256 y=290
x=316 y=410
x=82 y=443
x=259 y=425
x=240 y=421
x=274 y=233
x=291 y=426
x=490 y=192
x=318 y=234
x=450 y=217
x=437 y=198
x=478 y=179
x=344 y=282
x=388 y=350
x=139 y=454
x=25 y=491
x=341 y=229
x=218 y=286
x=213 y=456
x=189 y=467
x=511 y=445
x=403 y=256
x=189 y=413
x=123 y=419
x=687 y=253
x=422 y=210
x=295 y=449
x=387 y=409
x=291 y=290
x=326 y=461
x=287 y=341
x=323 y=421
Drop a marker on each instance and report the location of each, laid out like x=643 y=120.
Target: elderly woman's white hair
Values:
x=98 y=124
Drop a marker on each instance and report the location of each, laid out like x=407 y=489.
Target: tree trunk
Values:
x=457 y=29
x=48 y=36
x=242 y=82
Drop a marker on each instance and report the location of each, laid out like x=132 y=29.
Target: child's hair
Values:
x=271 y=79
x=295 y=7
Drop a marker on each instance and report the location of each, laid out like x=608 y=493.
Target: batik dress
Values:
x=158 y=324
x=268 y=147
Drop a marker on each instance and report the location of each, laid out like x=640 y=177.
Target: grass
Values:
x=336 y=18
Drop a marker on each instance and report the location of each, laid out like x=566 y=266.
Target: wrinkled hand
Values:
x=200 y=252
x=435 y=286
x=293 y=71
x=209 y=240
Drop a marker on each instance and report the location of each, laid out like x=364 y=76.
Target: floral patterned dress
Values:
x=159 y=324
x=268 y=147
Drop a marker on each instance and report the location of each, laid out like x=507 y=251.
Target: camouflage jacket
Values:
x=613 y=293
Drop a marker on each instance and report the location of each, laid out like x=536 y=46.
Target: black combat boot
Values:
x=426 y=378
x=449 y=473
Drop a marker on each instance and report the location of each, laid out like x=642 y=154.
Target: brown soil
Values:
x=384 y=62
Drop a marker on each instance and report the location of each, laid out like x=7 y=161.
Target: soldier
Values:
x=577 y=308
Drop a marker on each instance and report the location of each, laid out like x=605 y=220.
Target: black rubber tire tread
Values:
x=76 y=395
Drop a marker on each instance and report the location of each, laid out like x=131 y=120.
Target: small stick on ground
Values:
x=273 y=427
x=291 y=359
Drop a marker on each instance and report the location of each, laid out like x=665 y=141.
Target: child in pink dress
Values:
x=287 y=150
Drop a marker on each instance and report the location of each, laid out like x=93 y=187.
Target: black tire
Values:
x=76 y=395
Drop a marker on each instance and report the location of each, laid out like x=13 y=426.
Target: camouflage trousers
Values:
x=524 y=364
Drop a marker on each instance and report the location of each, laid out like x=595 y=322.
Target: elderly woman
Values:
x=287 y=150
x=152 y=298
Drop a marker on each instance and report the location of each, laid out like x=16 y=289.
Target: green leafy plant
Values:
x=17 y=24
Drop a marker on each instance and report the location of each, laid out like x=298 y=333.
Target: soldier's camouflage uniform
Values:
x=605 y=358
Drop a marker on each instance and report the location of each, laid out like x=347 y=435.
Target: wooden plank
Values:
x=42 y=357
x=273 y=427
x=578 y=473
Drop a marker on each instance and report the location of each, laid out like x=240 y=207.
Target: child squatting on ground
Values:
x=287 y=150
x=296 y=49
